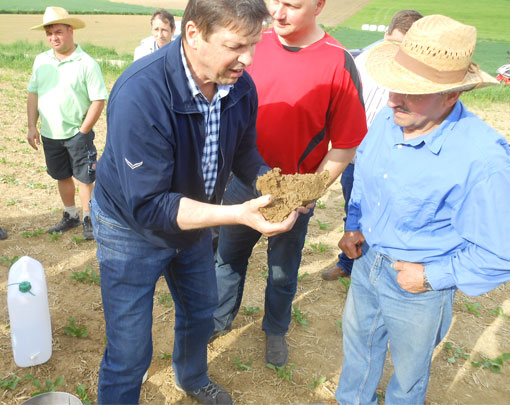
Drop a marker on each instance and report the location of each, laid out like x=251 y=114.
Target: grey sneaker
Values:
x=87 y=228
x=3 y=233
x=65 y=224
x=211 y=393
x=277 y=352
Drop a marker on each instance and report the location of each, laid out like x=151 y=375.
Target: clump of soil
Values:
x=290 y=191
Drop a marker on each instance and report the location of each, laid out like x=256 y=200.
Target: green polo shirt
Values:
x=65 y=90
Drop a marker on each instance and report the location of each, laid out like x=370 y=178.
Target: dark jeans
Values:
x=346 y=181
x=235 y=245
x=130 y=267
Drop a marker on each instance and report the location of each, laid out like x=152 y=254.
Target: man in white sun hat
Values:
x=68 y=92
x=428 y=214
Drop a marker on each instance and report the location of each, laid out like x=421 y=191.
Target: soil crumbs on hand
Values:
x=290 y=191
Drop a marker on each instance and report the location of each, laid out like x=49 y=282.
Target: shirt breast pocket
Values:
x=413 y=213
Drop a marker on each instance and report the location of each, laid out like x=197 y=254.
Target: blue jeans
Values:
x=377 y=310
x=346 y=181
x=130 y=267
x=235 y=245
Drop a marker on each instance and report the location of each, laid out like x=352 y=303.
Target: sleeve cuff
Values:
x=439 y=275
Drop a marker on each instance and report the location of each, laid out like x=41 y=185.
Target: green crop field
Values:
x=491 y=18
x=74 y=7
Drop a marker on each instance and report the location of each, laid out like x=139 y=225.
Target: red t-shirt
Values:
x=302 y=95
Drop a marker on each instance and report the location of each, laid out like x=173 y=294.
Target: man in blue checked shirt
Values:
x=428 y=214
x=179 y=122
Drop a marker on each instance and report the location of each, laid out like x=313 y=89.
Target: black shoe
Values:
x=65 y=224
x=3 y=233
x=211 y=393
x=87 y=228
x=277 y=352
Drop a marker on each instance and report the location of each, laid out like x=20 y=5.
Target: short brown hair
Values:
x=403 y=19
x=163 y=15
x=242 y=15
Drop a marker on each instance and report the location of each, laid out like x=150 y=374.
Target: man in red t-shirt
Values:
x=310 y=119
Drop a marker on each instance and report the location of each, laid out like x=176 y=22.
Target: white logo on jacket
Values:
x=133 y=166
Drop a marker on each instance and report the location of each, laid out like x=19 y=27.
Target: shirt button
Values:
x=369 y=229
x=385 y=176
x=378 y=204
x=399 y=146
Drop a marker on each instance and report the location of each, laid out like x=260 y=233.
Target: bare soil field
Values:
x=125 y=32
x=29 y=203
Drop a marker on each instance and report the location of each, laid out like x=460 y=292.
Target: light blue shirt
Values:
x=442 y=199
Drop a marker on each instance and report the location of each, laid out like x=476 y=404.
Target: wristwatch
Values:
x=426 y=283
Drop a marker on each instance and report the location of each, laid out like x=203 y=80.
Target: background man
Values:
x=375 y=98
x=68 y=92
x=309 y=95
x=428 y=211
x=163 y=28
x=178 y=125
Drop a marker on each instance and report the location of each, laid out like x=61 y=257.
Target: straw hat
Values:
x=435 y=56
x=59 y=15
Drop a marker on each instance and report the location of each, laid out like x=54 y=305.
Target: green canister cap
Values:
x=25 y=286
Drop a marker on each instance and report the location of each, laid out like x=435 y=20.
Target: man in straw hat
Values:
x=68 y=92
x=179 y=122
x=428 y=212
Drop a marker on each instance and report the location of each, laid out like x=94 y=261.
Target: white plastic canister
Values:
x=29 y=313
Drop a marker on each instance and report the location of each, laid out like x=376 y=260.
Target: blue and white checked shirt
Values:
x=442 y=199
x=211 y=113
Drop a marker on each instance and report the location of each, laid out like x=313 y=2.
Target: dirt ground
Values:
x=29 y=203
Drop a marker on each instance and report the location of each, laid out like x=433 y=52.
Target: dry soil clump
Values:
x=290 y=191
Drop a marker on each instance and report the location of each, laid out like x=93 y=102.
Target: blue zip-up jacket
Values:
x=154 y=145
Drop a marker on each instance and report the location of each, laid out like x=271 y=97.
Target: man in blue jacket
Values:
x=179 y=122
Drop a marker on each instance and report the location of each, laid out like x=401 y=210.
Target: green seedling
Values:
x=346 y=282
x=323 y=225
x=319 y=204
x=243 y=365
x=315 y=383
x=339 y=325
x=3 y=160
x=284 y=372
x=77 y=240
x=10 y=382
x=264 y=274
x=251 y=310
x=12 y=202
x=493 y=365
x=8 y=261
x=499 y=312
x=49 y=385
x=81 y=391
x=320 y=247
x=302 y=276
x=456 y=353
x=164 y=356
x=472 y=307
x=299 y=317
x=88 y=276
x=166 y=299
x=8 y=180
x=54 y=236
x=28 y=234
x=75 y=330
